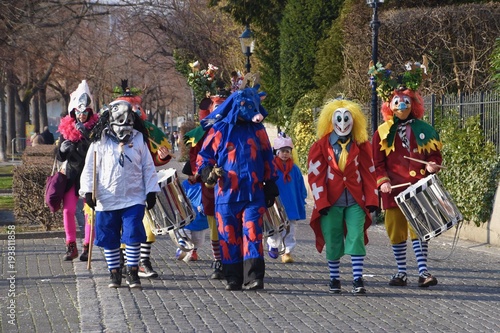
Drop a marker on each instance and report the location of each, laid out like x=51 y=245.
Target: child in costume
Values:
x=72 y=149
x=403 y=134
x=342 y=179
x=196 y=230
x=293 y=193
x=237 y=157
x=126 y=179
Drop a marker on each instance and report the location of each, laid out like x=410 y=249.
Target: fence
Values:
x=486 y=104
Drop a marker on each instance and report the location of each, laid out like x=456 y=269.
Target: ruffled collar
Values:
x=70 y=132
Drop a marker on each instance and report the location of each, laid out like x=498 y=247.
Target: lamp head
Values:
x=247 y=41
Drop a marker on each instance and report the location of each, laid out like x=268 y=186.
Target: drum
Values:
x=173 y=209
x=428 y=207
x=275 y=219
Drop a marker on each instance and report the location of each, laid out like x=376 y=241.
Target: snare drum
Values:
x=275 y=219
x=428 y=207
x=173 y=208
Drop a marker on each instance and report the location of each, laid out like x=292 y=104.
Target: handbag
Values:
x=55 y=187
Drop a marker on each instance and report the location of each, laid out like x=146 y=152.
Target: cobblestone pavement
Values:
x=42 y=293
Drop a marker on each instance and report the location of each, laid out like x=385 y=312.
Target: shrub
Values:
x=303 y=126
x=28 y=187
x=473 y=167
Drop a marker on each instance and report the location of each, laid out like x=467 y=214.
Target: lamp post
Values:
x=374 y=24
x=247 y=44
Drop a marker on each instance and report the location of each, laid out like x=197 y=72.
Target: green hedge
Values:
x=28 y=187
x=472 y=167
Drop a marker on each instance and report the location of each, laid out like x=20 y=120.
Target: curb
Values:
x=40 y=235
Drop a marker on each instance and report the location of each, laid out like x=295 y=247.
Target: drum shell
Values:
x=428 y=207
x=173 y=209
x=275 y=219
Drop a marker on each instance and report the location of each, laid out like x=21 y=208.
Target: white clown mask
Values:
x=342 y=122
x=121 y=119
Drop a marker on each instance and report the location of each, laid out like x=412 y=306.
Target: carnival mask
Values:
x=401 y=106
x=121 y=119
x=342 y=122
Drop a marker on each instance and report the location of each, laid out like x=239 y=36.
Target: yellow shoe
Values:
x=287 y=258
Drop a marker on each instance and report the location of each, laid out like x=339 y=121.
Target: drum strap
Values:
x=455 y=241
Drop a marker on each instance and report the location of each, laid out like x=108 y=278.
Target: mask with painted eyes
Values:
x=401 y=105
x=342 y=122
x=121 y=119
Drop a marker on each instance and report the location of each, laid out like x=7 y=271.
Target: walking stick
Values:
x=92 y=214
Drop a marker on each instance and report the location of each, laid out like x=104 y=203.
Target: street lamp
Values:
x=374 y=24
x=247 y=44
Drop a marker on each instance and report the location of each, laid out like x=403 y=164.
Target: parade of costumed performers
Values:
x=160 y=150
x=126 y=184
x=72 y=148
x=403 y=134
x=342 y=180
x=237 y=157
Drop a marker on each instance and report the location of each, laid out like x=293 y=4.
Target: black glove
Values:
x=66 y=146
x=324 y=211
x=82 y=129
x=89 y=201
x=270 y=191
x=150 y=200
x=372 y=209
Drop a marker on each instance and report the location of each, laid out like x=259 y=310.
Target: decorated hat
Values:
x=388 y=81
x=282 y=141
x=81 y=99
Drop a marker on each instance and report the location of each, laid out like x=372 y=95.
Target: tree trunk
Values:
x=11 y=111
x=35 y=118
x=3 y=123
x=44 y=119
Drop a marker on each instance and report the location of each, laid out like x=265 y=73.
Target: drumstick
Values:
x=92 y=214
x=400 y=185
x=422 y=161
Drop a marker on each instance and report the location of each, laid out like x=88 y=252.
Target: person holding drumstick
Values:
x=342 y=181
x=403 y=135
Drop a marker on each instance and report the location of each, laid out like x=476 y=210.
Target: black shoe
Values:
x=254 y=285
x=146 y=270
x=133 y=280
x=358 y=287
x=426 y=280
x=217 y=274
x=399 y=279
x=85 y=253
x=115 y=278
x=233 y=285
x=335 y=286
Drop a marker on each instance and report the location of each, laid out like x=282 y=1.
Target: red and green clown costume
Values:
x=402 y=135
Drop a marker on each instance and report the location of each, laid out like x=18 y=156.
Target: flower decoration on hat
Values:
x=202 y=81
x=388 y=82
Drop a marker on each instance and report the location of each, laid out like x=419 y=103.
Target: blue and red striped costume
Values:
x=242 y=149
